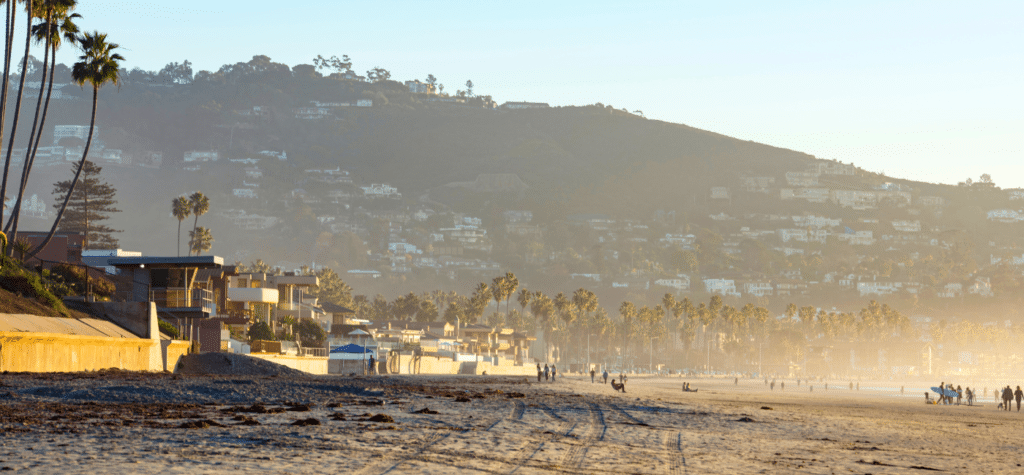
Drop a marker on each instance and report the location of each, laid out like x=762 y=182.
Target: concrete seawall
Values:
x=49 y=352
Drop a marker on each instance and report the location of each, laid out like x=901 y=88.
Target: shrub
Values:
x=168 y=329
x=74 y=278
x=16 y=280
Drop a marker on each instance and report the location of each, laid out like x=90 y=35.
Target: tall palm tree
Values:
x=58 y=24
x=21 y=89
x=511 y=284
x=201 y=240
x=181 y=209
x=97 y=66
x=200 y=205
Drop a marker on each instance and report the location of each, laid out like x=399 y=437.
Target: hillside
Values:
x=592 y=190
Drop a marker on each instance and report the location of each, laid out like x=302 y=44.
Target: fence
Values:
x=321 y=352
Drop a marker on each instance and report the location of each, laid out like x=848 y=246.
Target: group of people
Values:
x=546 y=372
x=960 y=393
x=1008 y=396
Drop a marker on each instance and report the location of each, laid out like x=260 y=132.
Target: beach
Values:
x=122 y=422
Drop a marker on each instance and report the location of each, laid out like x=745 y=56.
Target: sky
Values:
x=928 y=90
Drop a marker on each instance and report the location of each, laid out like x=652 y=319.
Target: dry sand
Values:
x=117 y=422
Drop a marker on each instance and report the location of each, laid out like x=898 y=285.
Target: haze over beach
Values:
x=403 y=237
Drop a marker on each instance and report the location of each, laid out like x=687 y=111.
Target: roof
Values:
x=207 y=274
x=334 y=308
x=64 y=326
x=167 y=262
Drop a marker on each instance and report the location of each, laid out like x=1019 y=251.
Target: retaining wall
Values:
x=48 y=352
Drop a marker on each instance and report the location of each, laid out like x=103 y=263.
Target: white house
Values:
x=244 y=193
x=680 y=283
x=201 y=156
x=721 y=286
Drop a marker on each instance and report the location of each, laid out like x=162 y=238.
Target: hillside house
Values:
x=381 y=190
x=246 y=193
x=951 y=290
x=417 y=87
x=726 y=287
x=757 y=184
x=813 y=195
x=877 y=288
x=907 y=226
x=802 y=179
x=525 y=105
x=834 y=168
x=76 y=131
x=758 y=288
x=193 y=156
x=719 y=193
x=681 y=283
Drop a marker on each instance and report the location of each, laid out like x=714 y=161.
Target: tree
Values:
x=177 y=73
x=310 y=333
x=469 y=88
x=332 y=289
x=200 y=205
x=9 y=40
x=339 y=66
x=58 y=24
x=201 y=240
x=97 y=66
x=260 y=331
x=181 y=209
x=431 y=80
x=91 y=203
x=378 y=74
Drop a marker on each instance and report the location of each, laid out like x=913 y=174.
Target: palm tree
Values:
x=21 y=89
x=57 y=24
x=511 y=283
x=181 y=209
x=200 y=240
x=200 y=205
x=97 y=65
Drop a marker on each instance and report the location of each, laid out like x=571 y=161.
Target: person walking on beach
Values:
x=546 y=371
x=959 y=395
x=942 y=393
x=605 y=375
x=592 y=373
x=1018 y=394
x=539 y=372
x=1007 y=397
x=553 y=371
x=372 y=368
x=782 y=386
x=772 y=386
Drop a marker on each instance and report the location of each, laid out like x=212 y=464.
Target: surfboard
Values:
x=944 y=392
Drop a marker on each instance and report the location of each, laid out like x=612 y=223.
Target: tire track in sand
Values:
x=573 y=459
x=395 y=461
x=674 y=450
x=531 y=449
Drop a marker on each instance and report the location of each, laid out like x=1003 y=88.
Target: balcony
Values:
x=178 y=298
x=254 y=295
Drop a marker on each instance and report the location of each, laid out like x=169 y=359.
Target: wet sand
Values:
x=116 y=422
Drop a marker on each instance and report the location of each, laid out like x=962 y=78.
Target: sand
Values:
x=118 y=422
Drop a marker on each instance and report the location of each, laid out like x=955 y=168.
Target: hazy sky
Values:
x=924 y=90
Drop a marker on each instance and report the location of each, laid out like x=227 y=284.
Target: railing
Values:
x=177 y=297
x=321 y=352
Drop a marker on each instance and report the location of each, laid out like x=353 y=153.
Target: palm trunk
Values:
x=8 y=43
x=179 y=238
x=78 y=173
x=17 y=105
x=36 y=132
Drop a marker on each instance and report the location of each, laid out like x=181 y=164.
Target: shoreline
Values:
x=116 y=422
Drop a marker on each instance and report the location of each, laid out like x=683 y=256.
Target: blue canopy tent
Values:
x=351 y=348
